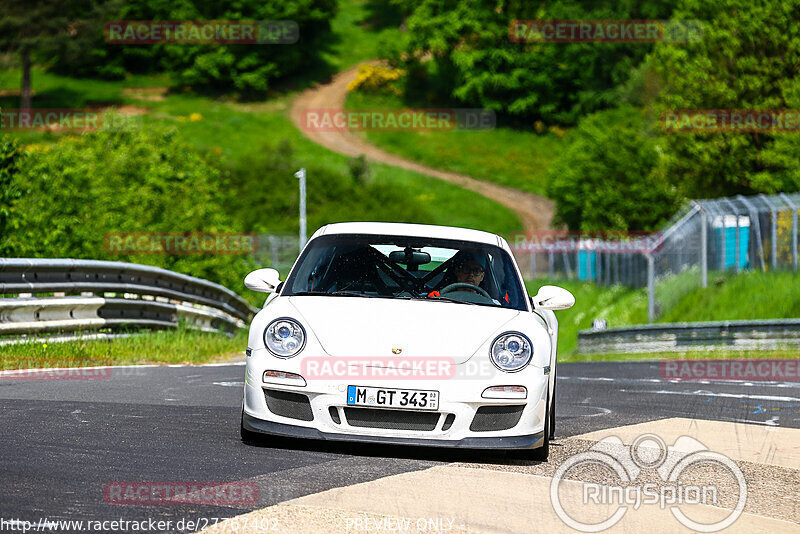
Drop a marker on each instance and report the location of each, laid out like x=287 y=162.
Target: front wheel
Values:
x=541 y=454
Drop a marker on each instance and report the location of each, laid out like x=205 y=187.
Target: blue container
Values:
x=729 y=254
x=587 y=266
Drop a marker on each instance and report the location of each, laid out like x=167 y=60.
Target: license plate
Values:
x=412 y=399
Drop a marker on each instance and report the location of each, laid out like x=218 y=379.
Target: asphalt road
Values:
x=64 y=441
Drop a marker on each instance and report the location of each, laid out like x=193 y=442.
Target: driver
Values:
x=470 y=269
x=467 y=267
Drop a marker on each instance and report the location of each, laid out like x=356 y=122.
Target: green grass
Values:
x=159 y=347
x=618 y=305
x=696 y=355
x=358 y=28
x=234 y=131
x=514 y=158
x=748 y=296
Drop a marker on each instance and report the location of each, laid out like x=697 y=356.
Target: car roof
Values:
x=408 y=229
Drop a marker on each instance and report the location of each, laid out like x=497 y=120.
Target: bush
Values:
x=746 y=60
x=374 y=79
x=461 y=50
x=248 y=69
x=606 y=179
x=10 y=157
x=75 y=193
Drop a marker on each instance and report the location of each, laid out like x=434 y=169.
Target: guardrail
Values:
x=768 y=334
x=92 y=294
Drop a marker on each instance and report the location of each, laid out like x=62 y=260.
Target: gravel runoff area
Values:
x=772 y=505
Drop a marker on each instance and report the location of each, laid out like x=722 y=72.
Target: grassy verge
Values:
x=358 y=28
x=514 y=158
x=748 y=296
x=236 y=132
x=696 y=355
x=182 y=346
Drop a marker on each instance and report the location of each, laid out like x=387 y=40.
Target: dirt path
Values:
x=534 y=211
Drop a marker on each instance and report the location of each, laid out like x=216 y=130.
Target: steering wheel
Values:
x=459 y=285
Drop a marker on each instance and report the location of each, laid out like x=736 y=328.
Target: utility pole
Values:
x=302 y=175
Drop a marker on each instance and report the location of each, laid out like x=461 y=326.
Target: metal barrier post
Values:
x=651 y=287
x=774 y=218
x=703 y=245
x=754 y=219
x=788 y=200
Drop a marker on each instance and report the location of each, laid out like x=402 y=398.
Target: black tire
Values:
x=541 y=454
x=553 y=412
x=248 y=436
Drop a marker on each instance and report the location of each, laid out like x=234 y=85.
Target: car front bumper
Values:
x=464 y=418
x=531 y=441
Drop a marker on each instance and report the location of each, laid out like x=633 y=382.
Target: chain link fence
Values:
x=719 y=235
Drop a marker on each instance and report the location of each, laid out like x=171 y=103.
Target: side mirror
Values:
x=263 y=280
x=553 y=298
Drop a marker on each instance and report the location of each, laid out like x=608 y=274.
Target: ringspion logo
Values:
x=711 y=474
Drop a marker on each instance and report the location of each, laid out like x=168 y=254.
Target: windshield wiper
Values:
x=450 y=299
x=336 y=294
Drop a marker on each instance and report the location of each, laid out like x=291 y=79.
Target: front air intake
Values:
x=287 y=404
x=489 y=418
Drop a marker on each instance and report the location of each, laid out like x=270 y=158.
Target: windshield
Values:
x=407 y=268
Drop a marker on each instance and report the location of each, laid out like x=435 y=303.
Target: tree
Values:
x=36 y=30
x=461 y=50
x=747 y=59
x=246 y=68
x=606 y=180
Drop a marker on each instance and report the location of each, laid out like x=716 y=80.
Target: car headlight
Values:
x=511 y=351
x=285 y=337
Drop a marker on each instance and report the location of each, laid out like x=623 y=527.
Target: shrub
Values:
x=606 y=179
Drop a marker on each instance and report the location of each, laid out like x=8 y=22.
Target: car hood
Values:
x=373 y=327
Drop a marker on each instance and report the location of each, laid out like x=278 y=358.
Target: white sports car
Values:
x=405 y=334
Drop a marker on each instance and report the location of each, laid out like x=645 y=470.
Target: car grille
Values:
x=391 y=419
x=291 y=405
x=489 y=418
